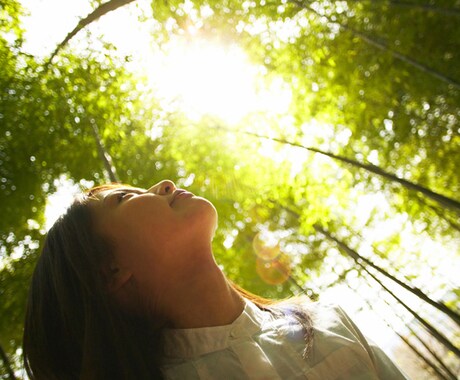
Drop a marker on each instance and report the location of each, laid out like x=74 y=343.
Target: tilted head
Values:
x=82 y=319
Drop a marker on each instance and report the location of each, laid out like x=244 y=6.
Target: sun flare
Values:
x=200 y=76
x=209 y=78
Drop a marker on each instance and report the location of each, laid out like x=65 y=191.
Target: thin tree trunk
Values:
x=7 y=364
x=340 y=278
x=382 y=255
x=430 y=328
x=448 y=371
x=105 y=156
x=439 y=212
x=405 y=4
x=438 y=335
x=433 y=331
x=415 y=291
x=439 y=198
x=358 y=258
x=296 y=284
x=426 y=360
x=449 y=221
x=430 y=363
x=93 y=16
x=384 y=47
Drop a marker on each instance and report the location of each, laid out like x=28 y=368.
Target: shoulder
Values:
x=324 y=315
x=338 y=336
x=332 y=327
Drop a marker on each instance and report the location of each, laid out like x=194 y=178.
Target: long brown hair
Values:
x=73 y=330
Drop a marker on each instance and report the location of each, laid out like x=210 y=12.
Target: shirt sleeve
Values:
x=384 y=366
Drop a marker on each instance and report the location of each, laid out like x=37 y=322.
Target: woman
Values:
x=127 y=288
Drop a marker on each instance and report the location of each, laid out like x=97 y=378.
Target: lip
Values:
x=180 y=193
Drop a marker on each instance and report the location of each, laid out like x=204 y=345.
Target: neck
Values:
x=202 y=298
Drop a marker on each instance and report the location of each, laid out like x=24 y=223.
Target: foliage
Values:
x=353 y=69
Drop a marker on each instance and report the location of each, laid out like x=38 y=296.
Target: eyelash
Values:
x=120 y=196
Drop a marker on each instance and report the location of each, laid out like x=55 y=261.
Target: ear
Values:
x=116 y=277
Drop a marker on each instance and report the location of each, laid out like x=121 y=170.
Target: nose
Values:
x=163 y=188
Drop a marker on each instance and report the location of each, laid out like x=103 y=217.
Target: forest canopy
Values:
x=326 y=133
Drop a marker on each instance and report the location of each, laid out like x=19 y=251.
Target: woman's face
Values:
x=154 y=231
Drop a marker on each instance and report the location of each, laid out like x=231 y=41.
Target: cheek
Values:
x=144 y=242
x=131 y=242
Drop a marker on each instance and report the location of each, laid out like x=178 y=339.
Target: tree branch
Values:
x=444 y=376
x=415 y=291
x=7 y=364
x=354 y=255
x=105 y=156
x=384 y=47
x=406 y=4
x=93 y=16
x=442 y=199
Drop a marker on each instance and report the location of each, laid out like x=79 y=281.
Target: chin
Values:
x=209 y=208
x=204 y=202
x=207 y=213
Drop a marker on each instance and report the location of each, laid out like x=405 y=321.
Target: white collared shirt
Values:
x=260 y=346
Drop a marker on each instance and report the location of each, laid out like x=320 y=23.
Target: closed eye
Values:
x=121 y=195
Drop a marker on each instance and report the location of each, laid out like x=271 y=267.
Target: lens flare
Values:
x=274 y=272
x=266 y=247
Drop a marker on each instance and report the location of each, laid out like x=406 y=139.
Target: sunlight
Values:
x=43 y=30
x=58 y=202
x=199 y=76
x=206 y=77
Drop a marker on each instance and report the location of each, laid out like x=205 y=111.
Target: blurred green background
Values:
x=326 y=133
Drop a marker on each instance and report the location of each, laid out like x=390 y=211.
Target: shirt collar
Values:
x=189 y=343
